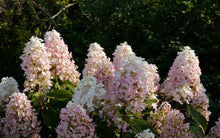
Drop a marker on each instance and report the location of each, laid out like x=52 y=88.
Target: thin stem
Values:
x=67 y=6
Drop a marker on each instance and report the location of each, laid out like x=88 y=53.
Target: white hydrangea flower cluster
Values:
x=8 y=86
x=89 y=93
x=145 y=134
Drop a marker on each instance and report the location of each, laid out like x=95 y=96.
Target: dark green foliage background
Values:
x=156 y=30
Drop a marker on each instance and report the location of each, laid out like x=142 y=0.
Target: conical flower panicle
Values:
x=20 y=119
x=61 y=63
x=183 y=82
x=75 y=123
x=36 y=65
x=98 y=65
x=183 y=77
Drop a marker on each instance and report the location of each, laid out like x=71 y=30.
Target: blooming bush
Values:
x=114 y=98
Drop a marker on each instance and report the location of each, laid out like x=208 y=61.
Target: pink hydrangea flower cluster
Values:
x=98 y=65
x=89 y=93
x=36 y=64
x=133 y=84
x=20 y=119
x=145 y=134
x=215 y=130
x=8 y=86
x=127 y=87
x=183 y=76
x=169 y=122
x=175 y=126
x=157 y=119
x=122 y=52
x=75 y=123
x=61 y=63
x=183 y=82
x=200 y=102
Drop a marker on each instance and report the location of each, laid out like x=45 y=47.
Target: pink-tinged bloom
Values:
x=8 y=86
x=157 y=119
x=89 y=93
x=200 y=101
x=20 y=119
x=183 y=82
x=145 y=134
x=75 y=123
x=183 y=77
x=215 y=130
x=36 y=65
x=168 y=122
x=122 y=52
x=134 y=83
x=98 y=65
x=61 y=63
x=175 y=126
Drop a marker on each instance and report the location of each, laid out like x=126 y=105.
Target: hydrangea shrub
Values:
x=119 y=97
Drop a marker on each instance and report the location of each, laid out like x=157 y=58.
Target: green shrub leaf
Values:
x=61 y=95
x=51 y=119
x=138 y=125
x=197 y=117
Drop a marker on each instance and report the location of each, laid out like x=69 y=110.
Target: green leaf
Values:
x=37 y=97
x=103 y=130
x=56 y=105
x=197 y=117
x=196 y=130
x=51 y=119
x=127 y=135
x=139 y=125
x=60 y=94
x=57 y=85
x=151 y=101
x=69 y=85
